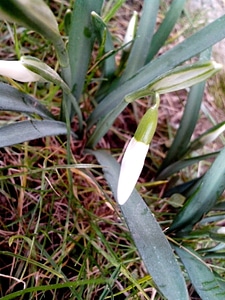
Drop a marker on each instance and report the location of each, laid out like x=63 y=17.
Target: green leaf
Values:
x=113 y=103
x=110 y=9
x=142 y=42
x=81 y=39
x=35 y=15
x=207 y=137
x=204 y=198
x=205 y=281
x=29 y=130
x=147 y=235
x=165 y=28
x=14 y=100
x=105 y=40
x=181 y=164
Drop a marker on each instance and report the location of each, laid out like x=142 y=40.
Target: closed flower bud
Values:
x=134 y=156
x=177 y=79
x=130 y=33
x=17 y=71
x=131 y=168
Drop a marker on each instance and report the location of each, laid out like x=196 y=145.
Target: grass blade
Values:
x=206 y=283
x=204 y=197
x=29 y=130
x=148 y=236
x=50 y=287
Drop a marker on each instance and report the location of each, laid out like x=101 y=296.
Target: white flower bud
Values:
x=131 y=167
x=17 y=71
x=130 y=33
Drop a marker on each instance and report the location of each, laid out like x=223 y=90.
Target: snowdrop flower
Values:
x=132 y=164
x=17 y=71
x=31 y=69
x=179 y=78
x=221 y=230
x=134 y=156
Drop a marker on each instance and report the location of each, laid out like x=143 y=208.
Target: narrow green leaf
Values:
x=204 y=198
x=81 y=39
x=181 y=164
x=183 y=188
x=147 y=235
x=205 y=281
x=52 y=287
x=14 y=100
x=207 y=137
x=172 y=58
x=165 y=28
x=110 y=9
x=105 y=39
x=142 y=42
x=19 y=132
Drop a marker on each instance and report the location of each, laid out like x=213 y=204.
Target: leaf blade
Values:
x=14 y=100
x=204 y=198
x=19 y=132
x=205 y=282
x=148 y=236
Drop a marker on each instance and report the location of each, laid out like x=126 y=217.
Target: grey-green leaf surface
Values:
x=204 y=198
x=81 y=39
x=165 y=28
x=113 y=103
x=147 y=235
x=105 y=39
x=142 y=42
x=181 y=164
x=14 y=100
x=19 y=132
x=206 y=283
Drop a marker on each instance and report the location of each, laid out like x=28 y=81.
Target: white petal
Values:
x=130 y=33
x=221 y=230
x=131 y=167
x=16 y=71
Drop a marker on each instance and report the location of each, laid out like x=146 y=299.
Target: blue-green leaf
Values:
x=19 y=132
x=207 y=284
x=14 y=100
x=147 y=235
x=204 y=198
